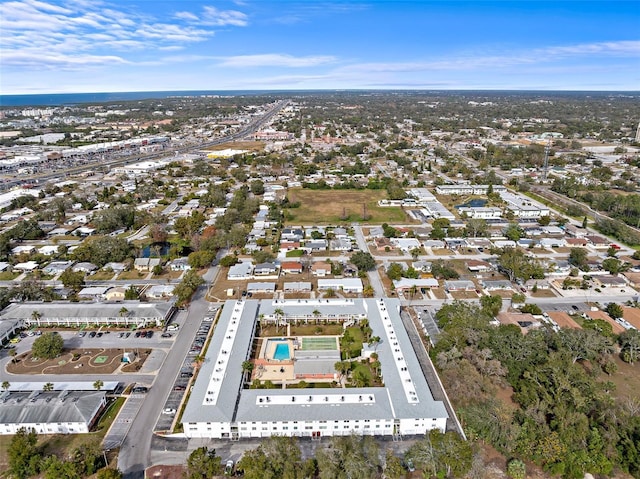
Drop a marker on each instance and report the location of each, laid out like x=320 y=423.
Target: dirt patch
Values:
x=73 y=361
x=503 y=293
x=464 y=294
x=165 y=472
x=543 y=293
x=238 y=145
x=626 y=379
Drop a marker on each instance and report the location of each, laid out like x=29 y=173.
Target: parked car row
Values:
x=122 y=334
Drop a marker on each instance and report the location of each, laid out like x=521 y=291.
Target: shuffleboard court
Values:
x=323 y=343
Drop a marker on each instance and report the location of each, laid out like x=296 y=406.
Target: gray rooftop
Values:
x=223 y=409
x=49 y=407
x=64 y=309
x=406 y=393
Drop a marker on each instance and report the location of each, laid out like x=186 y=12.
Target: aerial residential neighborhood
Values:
x=302 y=280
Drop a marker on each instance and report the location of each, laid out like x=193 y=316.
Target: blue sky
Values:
x=49 y=46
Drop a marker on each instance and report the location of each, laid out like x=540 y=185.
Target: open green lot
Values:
x=338 y=206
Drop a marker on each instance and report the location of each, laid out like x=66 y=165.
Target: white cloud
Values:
x=213 y=16
x=34 y=28
x=629 y=47
x=56 y=60
x=275 y=60
x=186 y=16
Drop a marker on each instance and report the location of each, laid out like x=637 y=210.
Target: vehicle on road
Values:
x=140 y=389
x=92 y=334
x=127 y=335
x=228 y=468
x=149 y=334
x=179 y=388
x=82 y=334
x=121 y=335
x=168 y=410
x=165 y=335
x=138 y=333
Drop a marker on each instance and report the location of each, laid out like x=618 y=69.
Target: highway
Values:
x=248 y=129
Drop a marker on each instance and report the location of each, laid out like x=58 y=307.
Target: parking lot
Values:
x=183 y=380
x=427 y=320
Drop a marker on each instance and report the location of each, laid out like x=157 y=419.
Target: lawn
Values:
x=340 y=206
x=102 y=275
x=133 y=274
x=9 y=275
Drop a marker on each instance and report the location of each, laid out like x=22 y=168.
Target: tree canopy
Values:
x=48 y=346
x=363 y=261
x=278 y=457
x=203 y=463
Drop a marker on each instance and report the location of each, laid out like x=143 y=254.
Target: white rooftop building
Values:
x=219 y=407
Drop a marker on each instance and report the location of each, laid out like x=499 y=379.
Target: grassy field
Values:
x=340 y=206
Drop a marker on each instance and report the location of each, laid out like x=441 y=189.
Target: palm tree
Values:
x=5 y=385
x=197 y=361
x=98 y=385
x=123 y=312
x=13 y=353
x=47 y=387
x=36 y=315
x=413 y=290
x=247 y=367
x=279 y=314
x=316 y=314
x=375 y=340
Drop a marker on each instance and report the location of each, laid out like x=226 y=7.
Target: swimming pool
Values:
x=281 y=352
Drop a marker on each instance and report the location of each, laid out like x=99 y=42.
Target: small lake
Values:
x=475 y=203
x=148 y=251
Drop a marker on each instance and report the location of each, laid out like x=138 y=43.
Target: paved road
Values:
x=374 y=276
x=135 y=452
x=427 y=319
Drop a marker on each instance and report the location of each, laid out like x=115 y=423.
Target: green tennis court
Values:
x=322 y=343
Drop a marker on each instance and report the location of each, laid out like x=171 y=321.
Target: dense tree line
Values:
x=27 y=459
x=344 y=457
x=623 y=208
x=566 y=417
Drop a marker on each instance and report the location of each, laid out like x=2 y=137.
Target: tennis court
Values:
x=323 y=343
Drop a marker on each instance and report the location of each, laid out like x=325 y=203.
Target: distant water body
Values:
x=61 y=99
